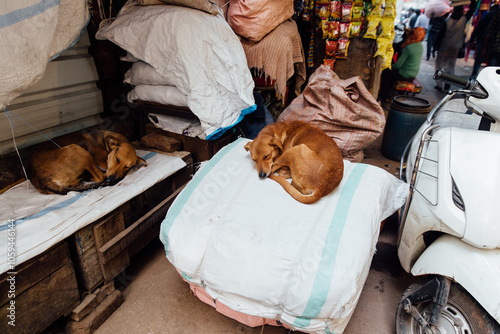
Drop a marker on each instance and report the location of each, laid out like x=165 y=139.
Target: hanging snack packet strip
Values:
x=331 y=48
x=357 y=12
x=335 y=10
x=343 y=46
x=355 y=29
x=334 y=30
x=344 y=29
x=346 y=12
x=330 y=62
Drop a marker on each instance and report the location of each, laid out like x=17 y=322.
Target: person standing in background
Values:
x=491 y=44
x=413 y=18
x=435 y=24
x=451 y=38
x=422 y=21
x=477 y=37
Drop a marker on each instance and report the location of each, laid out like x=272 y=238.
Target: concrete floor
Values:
x=158 y=301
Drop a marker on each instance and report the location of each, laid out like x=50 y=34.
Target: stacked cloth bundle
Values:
x=186 y=57
x=270 y=39
x=343 y=109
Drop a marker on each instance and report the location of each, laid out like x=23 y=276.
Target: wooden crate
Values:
x=85 y=243
x=45 y=289
x=200 y=149
x=103 y=249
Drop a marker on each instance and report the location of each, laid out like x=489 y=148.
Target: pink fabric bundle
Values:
x=343 y=109
x=254 y=19
x=437 y=8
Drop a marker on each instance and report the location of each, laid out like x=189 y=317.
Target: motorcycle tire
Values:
x=461 y=315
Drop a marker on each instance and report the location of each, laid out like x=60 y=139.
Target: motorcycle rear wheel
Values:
x=461 y=315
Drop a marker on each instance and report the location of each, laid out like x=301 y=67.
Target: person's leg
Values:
x=449 y=67
x=439 y=65
x=430 y=42
x=478 y=60
x=387 y=81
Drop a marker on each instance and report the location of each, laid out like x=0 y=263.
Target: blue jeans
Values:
x=478 y=60
x=430 y=42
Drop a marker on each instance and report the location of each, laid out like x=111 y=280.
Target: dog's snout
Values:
x=112 y=178
x=262 y=175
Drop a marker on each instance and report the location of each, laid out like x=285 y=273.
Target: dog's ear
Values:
x=248 y=146
x=276 y=142
x=111 y=144
x=141 y=162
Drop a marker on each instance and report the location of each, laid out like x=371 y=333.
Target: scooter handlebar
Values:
x=466 y=83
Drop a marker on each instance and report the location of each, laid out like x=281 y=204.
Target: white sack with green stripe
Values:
x=256 y=250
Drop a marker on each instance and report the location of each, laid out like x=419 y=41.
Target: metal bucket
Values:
x=405 y=117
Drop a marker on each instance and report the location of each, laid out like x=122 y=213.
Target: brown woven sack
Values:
x=343 y=109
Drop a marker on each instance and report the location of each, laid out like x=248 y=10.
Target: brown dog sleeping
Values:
x=100 y=156
x=302 y=152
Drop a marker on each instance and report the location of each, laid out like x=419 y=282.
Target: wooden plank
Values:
x=96 y=318
x=35 y=270
x=86 y=261
x=120 y=242
x=90 y=301
x=105 y=230
x=42 y=304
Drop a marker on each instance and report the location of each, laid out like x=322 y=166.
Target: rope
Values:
x=8 y=114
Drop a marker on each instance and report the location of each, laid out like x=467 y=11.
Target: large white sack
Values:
x=200 y=54
x=144 y=74
x=255 y=249
x=33 y=32
x=169 y=95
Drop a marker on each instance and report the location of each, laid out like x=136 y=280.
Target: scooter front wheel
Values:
x=461 y=315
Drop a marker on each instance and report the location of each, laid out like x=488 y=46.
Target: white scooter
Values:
x=449 y=229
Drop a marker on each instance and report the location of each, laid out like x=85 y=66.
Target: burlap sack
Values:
x=343 y=109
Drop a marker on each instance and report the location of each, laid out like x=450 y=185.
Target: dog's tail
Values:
x=294 y=192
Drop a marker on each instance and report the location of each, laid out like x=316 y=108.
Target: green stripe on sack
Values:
x=326 y=266
x=184 y=195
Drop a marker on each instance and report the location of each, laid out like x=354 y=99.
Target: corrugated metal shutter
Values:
x=66 y=99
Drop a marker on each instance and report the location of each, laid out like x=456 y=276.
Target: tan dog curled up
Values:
x=302 y=152
x=103 y=157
